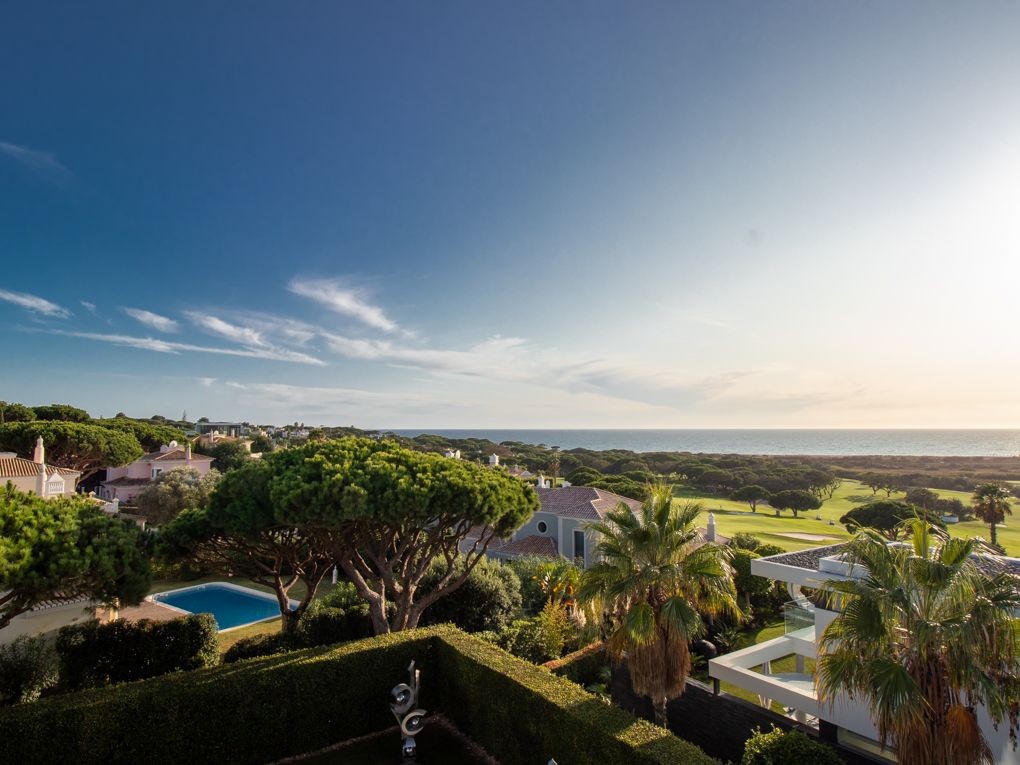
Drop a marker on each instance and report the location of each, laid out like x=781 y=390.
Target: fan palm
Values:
x=991 y=503
x=924 y=637
x=655 y=577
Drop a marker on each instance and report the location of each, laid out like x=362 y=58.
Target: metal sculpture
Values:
x=410 y=719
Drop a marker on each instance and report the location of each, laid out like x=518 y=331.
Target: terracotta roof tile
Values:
x=582 y=502
x=19 y=467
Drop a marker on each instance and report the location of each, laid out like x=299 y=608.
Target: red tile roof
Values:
x=530 y=545
x=582 y=502
x=19 y=467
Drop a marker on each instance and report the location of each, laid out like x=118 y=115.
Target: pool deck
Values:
x=149 y=610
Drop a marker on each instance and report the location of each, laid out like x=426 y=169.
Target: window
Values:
x=542 y=527
x=579 y=545
x=156 y=471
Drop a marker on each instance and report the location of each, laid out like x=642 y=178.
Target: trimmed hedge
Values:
x=522 y=714
x=94 y=654
x=582 y=666
x=261 y=710
x=253 y=711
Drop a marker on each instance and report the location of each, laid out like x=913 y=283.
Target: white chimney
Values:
x=39 y=455
x=40 y=479
x=710 y=530
x=187 y=452
x=493 y=460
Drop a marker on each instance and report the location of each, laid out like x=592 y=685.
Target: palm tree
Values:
x=654 y=578
x=924 y=637
x=991 y=503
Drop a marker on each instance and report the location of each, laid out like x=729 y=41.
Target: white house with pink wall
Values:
x=125 y=483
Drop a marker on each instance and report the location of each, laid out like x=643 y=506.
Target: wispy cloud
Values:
x=316 y=398
x=217 y=326
x=35 y=304
x=90 y=307
x=335 y=295
x=165 y=346
x=40 y=163
x=150 y=319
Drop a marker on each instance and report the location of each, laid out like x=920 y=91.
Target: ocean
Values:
x=955 y=443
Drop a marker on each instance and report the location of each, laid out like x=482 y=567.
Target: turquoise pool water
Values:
x=231 y=606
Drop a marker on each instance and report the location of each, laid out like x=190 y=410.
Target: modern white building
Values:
x=845 y=722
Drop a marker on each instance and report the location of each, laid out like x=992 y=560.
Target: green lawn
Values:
x=732 y=517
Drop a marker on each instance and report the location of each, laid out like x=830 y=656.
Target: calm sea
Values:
x=959 y=443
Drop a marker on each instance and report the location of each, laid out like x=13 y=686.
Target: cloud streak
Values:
x=217 y=326
x=150 y=319
x=35 y=304
x=39 y=163
x=339 y=298
x=165 y=346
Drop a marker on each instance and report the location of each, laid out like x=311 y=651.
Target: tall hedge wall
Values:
x=260 y=710
x=523 y=714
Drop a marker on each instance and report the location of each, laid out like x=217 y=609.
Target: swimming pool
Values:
x=230 y=604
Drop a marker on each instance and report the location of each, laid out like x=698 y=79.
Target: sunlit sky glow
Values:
x=459 y=215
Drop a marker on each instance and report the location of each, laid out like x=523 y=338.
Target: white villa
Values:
x=35 y=475
x=125 y=483
x=846 y=722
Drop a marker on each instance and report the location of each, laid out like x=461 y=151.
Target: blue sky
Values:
x=520 y=215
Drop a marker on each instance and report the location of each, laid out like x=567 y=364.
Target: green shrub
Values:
x=94 y=654
x=260 y=645
x=488 y=599
x=779 y=747
x=287 y=705
x=744 y=541
x=583 y=666
x=325 y=626
x=28 y=666
x=343 y=596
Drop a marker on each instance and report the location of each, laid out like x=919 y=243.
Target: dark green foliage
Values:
x=747 y=584
x=745 y=541
x=261 y=444
x=779 y=747
x=325 y=626
x=522 y=714
x=150 y=435
x=530 y=570
x=94 y=654
x=765 y=550
x=752 y=495
x=79 y=446
x=583 y=666
x=28 y=666
x=261 y=645
x=265 y=709
x=228 y=455
x=63 y=412
x=623 y=486
x=489 y=598
x=885 y=516
x=796 y=500
x=10 y=412
x=66 y=547
x=584 y=476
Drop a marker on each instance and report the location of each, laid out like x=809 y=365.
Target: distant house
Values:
x=225 y=428
x=213 y=437
x=559 y=528
x=453 y=454
x=35 y=475
x=125 y=483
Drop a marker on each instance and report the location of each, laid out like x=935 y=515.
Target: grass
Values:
x=732 y=517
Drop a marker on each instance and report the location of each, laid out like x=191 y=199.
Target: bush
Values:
x=94 y=654
x=288 y=705
x=779 y=747
x=488 y=599
x=28 y=666
x=765 y=550
x=260 y=645
x=325 y=626
x=530 y=570
x=583 y=666
x=744 y=541
x=538 y=639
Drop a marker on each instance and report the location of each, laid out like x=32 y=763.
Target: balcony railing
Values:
x=798 y=615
